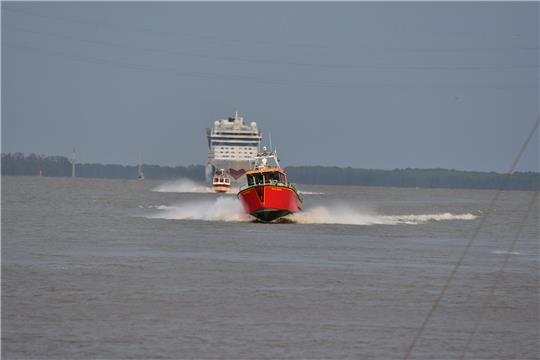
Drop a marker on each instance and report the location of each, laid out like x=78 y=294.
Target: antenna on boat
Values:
x=270 y=139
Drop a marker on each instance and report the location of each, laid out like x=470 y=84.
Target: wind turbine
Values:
x=73 y=161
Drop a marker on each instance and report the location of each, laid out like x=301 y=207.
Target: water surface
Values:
x=114 y=269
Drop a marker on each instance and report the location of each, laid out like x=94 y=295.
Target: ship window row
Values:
x=236 y=149
x=235 y=136
x=235 y=152
x=233 y=157
x=217 y=143
x=240 y=148
x=223 y=138
x=226 y=133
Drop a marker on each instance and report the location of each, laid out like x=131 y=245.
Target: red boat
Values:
x=268 y=195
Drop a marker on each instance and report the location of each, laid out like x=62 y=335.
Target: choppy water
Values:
x=115 y=269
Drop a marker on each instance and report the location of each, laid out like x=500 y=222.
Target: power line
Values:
x=210 y=76
x=473 y=237
x=161 y=32
x=172 y=71
x=265 y=61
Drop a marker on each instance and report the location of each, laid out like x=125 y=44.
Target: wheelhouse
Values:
x=221 y=180
x=266 y=177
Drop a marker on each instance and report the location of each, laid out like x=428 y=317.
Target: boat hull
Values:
x=270 y=202
x=222 y=188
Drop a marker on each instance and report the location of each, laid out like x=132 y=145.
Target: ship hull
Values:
x=221 y=188
x=269 y=202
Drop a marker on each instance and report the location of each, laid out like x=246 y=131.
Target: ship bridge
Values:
x=232 y=144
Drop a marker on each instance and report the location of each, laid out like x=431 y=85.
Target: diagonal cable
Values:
x=498 y=277
x=490 y=208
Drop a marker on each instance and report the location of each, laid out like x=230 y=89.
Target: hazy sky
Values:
x=371 y=85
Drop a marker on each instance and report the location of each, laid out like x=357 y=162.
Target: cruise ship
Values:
x=231 y=146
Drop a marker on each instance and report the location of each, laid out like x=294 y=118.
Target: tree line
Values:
x=32 y=165
x=422 y=178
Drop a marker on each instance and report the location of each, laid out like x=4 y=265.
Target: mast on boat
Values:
x=140 y=174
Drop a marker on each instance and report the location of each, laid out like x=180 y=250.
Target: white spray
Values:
x=220 y=209
x=187 y=186
x=348 y=215
x=229 y=209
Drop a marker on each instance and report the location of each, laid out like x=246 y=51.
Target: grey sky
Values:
x=373 y=85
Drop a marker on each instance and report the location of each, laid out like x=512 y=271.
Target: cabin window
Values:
x=250 y=180
x=259 y=179
x=227 y=181
x=272 y=178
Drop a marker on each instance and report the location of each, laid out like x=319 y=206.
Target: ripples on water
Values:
x=91 y=269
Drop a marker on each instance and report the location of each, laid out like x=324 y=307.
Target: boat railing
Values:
x=245 y=186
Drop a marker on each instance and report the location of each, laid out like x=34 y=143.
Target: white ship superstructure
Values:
x=231 y=146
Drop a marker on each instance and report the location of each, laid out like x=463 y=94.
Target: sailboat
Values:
x=140 y=174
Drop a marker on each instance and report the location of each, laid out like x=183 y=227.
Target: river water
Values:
x=114 y=269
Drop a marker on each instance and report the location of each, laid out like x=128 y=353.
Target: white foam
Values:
x=187 y=186
x=220 y=209
x=347 y=215
x=500 y=252
x=183 y=186
x=226 y=208
x=310 y=193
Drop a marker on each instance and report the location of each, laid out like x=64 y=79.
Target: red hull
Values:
x=269 y=202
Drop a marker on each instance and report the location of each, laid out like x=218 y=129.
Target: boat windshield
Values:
x=267 y=178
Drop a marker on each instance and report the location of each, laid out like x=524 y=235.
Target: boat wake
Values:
x=229 y=209
x=182 y=186
x=186 y=186
x=310 y=192
x=347 y=215
x=220 y=209
x=190 y=186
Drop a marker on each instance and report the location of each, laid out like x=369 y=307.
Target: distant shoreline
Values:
x=19 y=164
